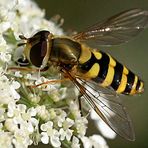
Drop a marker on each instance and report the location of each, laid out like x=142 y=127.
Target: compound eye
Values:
x=38 y=52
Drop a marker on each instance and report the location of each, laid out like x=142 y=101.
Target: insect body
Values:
x=87 y=63
x=98 y=70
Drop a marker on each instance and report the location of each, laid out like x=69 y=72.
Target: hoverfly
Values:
x=99 y=71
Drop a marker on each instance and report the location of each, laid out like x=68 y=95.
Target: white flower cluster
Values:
x=28 y=115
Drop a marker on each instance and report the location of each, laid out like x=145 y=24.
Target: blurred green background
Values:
x=78 y=14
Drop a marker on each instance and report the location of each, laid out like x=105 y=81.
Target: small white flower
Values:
x=52 y=133
x=95 y=141
x=15 y=110
x=61 y=118
x=68 y=123
x=11 y=108
x=32 y=111
x=11 y=4
x=3 y=46
x=35 y=98
x=1 y=126
x=80 y=122
x=4 y=26
x=47 y=126
x=22 y=108
x=65 y=134
x=18 y=74
x=43 y=113
x=81 y=127
x=29 y=76
x=15 y=84
x=44 y=138
x=5 y=140
x=53 y=114
x=75 y=142
x=86 y=142
x=5 y=57
x=74 y=109
x=98 y=141
x=8 y=90
x=54 y=139
x=21 y=124
x=10 y=125
x=22 y=119
x=21 y=139
x=2 y=111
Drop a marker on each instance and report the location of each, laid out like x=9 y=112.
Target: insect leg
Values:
x=50 y=81
x=79 y=101
x=27 y=69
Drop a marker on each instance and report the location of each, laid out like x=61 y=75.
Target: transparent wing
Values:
x=117 y=29
x=107 y=105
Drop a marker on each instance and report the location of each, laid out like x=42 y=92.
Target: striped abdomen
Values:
x=105 y=70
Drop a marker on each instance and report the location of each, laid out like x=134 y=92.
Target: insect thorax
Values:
x=65 y=51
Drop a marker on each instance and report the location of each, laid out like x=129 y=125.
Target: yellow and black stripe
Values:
x=105 y=70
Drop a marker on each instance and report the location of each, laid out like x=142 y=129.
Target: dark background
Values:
x=78 y=14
